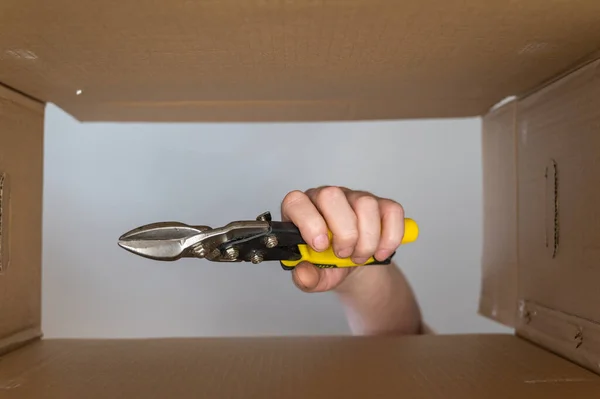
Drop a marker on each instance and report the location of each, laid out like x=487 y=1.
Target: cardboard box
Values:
x=306 y=60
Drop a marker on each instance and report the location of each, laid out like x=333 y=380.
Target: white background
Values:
x=104 y=179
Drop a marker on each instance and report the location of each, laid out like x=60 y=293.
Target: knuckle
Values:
x=393 y=206
x=369 y=238
x=367 y=243
x=364 y=251
x=329 y=193
x=293 y=197
x=347 y=238
x=392 y=242
x=366 y=203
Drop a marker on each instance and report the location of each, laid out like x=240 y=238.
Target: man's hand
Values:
x=363 y=225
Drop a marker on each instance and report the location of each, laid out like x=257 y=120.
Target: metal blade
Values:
x=162 y=241
x=168 y=241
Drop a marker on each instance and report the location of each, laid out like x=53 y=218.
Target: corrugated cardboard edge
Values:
x=579 y=64
x=26 y=115
x=566 y=335
x=23 y=99
x=499 y=264
x=281 y=111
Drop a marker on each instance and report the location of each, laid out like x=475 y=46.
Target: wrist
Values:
x=378 y=300
x=361 y=277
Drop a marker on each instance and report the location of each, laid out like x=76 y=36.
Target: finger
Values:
x=340 y=218
x=299 y=209
x=309 y=278
x=392 y=230
x=367 y=211
x=306 y=276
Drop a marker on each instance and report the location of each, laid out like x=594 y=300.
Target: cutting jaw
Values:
x=163 y=241
x=169 y=241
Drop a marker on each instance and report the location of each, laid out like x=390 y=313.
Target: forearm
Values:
x=378 y=300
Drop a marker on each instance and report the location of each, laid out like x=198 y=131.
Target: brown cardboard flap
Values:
x=298 y=60
x=21 y=155
x=558 y=132
x=499 y=286
x=463 y=366
x=559 y=193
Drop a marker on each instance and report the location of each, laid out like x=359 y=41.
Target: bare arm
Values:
x=377 y=299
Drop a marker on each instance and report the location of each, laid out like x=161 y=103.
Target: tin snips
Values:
x=240 y=241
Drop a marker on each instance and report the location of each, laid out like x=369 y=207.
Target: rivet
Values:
x=271 y=241
x=232 y=253
x=256 y=258
x=199 y=251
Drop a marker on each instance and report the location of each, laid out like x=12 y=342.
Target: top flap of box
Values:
x=287 y=60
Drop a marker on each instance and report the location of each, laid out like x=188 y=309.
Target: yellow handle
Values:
x=327 y=258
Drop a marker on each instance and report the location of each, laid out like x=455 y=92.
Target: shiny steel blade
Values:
x=162 y=241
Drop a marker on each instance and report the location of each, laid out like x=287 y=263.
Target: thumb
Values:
x=307 y=277
x=310 y=278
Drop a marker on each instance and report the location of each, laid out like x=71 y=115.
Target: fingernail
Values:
x=344 y=253
x=321 y=242
x=381 y=255
x=359 y=261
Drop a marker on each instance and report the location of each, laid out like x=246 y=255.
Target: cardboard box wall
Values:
x=314 y=60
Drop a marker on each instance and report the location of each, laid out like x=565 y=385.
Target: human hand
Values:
x=362 y=225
